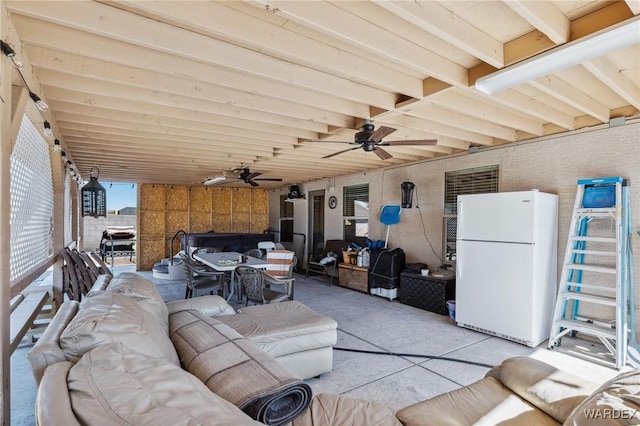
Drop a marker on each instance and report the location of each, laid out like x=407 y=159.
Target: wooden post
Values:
x=6 y=72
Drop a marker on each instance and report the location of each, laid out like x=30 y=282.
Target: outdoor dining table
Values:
x=227 y=262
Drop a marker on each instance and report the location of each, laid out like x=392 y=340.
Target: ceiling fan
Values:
x=371 y=140
x=244 y=174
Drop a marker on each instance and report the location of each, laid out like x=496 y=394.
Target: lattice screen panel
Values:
x=31 y=190
x=67 y=207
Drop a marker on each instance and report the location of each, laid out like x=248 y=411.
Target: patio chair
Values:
x=257 y=253
x=203 y=250
x=266 y=246
x=328 y=264
x=200 y=280
x=255 y=282
x=281 y=266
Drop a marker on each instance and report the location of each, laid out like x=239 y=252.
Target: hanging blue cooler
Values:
x=596 y=197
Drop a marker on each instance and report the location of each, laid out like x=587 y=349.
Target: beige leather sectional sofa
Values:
x=124 y=357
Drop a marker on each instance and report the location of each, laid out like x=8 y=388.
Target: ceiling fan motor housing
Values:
x=363 y=136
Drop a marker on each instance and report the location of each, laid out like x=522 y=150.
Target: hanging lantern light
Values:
x=94 y=196
x=407 y=194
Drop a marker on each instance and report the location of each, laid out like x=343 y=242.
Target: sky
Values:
x=120 y=195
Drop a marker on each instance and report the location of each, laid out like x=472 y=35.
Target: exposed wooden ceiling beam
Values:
x=545 y=17
x=330 y=19
x=437 y=20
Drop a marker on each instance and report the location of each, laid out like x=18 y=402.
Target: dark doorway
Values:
x=316 y=224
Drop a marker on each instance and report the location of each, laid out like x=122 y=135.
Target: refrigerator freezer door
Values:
x=497 y=299
x=503 y=216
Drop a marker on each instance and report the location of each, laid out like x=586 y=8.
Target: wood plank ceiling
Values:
x=178 y=91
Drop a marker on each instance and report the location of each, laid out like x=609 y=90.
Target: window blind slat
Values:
x=478 y=180
x=351 y=194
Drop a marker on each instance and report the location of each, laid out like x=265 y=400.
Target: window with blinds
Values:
x=478 y=180
x=355 y=212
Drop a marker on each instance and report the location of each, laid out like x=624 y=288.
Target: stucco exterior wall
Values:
x=551 y=165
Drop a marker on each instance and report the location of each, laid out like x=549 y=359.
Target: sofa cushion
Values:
x=210 y=305
x=284 y=328
x=109 y=317
x=144 y=292
x=615 y=402
x=114 y=385
x=485 y=402
x=551 y=390
x=338 y=410
x=235 y=369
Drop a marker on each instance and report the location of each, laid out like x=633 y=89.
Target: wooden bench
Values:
x=24 y=312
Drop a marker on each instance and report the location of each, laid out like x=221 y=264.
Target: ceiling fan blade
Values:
x=423 y=142
x=341 y=152
x=252 y=175
x=325 y=141
x=252 y=183
x=384 y=155
x=380 y=133
x=270 y=179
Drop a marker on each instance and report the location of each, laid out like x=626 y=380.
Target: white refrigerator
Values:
x=506 y=264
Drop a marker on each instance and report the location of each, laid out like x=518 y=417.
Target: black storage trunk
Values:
x=427 y=292
x=385 y=266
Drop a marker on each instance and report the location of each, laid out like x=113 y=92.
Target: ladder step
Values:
x=593 y=239
x=594 y=252
x=591 y=268
x=591 y=298
x=585 y=286
x=592 y=329
x=593 y=212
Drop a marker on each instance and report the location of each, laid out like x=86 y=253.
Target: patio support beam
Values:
x=6 y=72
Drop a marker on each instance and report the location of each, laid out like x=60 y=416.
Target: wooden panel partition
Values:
x=165 y=209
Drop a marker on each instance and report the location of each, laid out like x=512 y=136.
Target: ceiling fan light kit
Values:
x=214 y=180
x=244 y=174
x=623 y=35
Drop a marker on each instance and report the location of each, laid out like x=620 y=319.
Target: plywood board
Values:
x=200 y=222
x=259 y=223
x=199 y=199
x=221 y=201
x=176 y=220
x=152 y=223
x=259 y=202
x=241 y=201
x=151 y=197
x=241 y=222
x=222 y=222
x=150 y=251
x=176 y=197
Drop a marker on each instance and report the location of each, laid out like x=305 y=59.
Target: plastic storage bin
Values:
x=430 y=292
x=596 y=197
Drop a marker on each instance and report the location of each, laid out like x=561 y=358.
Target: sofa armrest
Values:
x=53 y=405
x=47 y=349
x=101 y=283
x=553 y=391
x=210 y=305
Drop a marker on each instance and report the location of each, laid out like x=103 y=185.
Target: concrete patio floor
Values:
x=372 y=323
